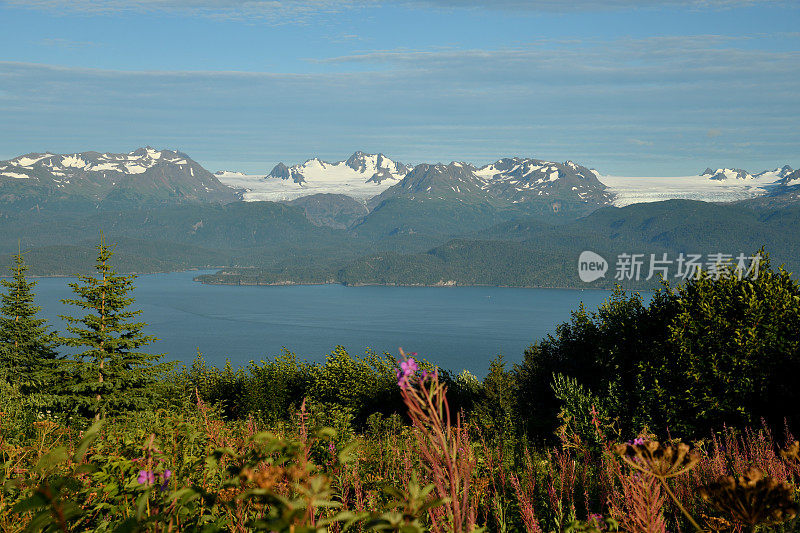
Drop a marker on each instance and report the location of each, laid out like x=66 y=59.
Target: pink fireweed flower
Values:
x=146 y=477
x=407 y=369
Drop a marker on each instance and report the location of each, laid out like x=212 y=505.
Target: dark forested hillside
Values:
x=529 y=252
x=403 y=241
x=168 y=238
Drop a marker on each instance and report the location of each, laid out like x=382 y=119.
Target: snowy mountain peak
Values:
x=359 y=171
x=359 y=161
x=792 y=179
x=439 y=181
x=722 y=174
x=523 y=179
x=280 y=171
x=778 y=173
x=375 y=164
x=361 y=175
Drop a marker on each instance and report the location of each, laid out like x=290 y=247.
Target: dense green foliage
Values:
x=700 y=355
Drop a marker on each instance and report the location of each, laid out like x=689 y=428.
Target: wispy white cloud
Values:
x=665 y=60
x=640 y=142
x=66 y=43
x=274 y=11
x=278 y=11
x=593 y=5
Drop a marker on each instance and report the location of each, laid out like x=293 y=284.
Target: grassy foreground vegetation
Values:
x=670 y=416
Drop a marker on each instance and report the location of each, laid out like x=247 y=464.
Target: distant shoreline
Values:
x=420 y=285
x=310 y=283
x=137 y=274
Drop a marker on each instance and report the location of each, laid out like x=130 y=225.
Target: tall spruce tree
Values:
x=28 y=357
x=110 y=375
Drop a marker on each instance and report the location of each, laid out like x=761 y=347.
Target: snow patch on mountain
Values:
x=228 y=173
x=27 y=161
x=136 y=162
x=15 y=175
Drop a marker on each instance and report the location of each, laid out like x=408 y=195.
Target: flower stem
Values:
x=678 y=503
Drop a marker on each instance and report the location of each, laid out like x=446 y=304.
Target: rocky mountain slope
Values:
x=513 y=180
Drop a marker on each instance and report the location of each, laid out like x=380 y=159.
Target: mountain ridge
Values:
x=145 y=175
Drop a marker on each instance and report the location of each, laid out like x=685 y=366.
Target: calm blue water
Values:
x=454 y=327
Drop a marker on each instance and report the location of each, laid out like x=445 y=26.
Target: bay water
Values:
x=453 y=327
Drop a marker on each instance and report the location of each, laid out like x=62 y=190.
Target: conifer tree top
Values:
x=111 y=373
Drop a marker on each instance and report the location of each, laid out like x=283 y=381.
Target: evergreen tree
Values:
x=28 y=357
x=110 y=375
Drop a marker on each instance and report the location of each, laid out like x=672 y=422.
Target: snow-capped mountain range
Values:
x=149 y=175
x=366 y=176
x=146 y=173
x=516 y=180
x=722 y=174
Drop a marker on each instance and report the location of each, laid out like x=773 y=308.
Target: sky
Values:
x=629 y=87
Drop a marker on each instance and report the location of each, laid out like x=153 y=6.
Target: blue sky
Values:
x=628 y=87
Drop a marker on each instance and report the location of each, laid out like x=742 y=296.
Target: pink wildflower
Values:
x=407 y=369
x=146 y=477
